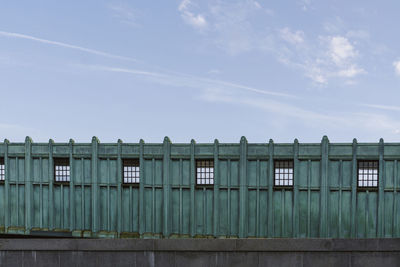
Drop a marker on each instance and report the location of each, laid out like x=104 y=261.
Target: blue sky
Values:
x=200 y=69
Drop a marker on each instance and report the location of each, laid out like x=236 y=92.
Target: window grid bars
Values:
x=61 y=170
x=368 y=173
x=131 y=171
x=2 y=170
x=283 y=173
x=204 y=172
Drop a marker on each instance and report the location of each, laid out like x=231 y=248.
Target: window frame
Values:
x=130 y=162
x=367 y=188
x=2 y=170
x=199 y=178
x=280 y=187
x=61 y=161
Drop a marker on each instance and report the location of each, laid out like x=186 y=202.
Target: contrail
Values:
x=60 y=44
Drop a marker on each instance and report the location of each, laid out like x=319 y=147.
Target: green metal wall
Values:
x=324 y=201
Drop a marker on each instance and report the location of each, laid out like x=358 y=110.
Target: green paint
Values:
x=324 y=201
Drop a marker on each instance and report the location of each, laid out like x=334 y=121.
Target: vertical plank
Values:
x=192 y=187
x=41 y=193
x=119 y=186
x=95 y=201
x=216 y=189
x=28 y=184
x=258 y=171
x=354 y=190
x=51 y=186
x=340 y=198
x=324 y=188
x=270 y=187
x=180 y=231
x=381 y=184
x=6 y=206
x=108 y=195
x=229 y=196
x=295 y=229
x=71 y=187
x=243 y=232
x=141 y=189
x=166 y=188
x=308 y=198
x=153 y=196
x=395 y=223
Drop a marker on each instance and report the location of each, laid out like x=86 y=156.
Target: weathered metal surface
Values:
x=324 y=201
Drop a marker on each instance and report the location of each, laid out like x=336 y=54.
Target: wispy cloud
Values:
x=396 y=65
x=124 y=14
x=196 y=20
x=65 y=45
x=180 y=79
x=329 y=120
x=384 y=107
x=324 y=59
x=292 y=37
x=234 y=28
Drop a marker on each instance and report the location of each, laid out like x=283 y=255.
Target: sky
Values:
x=202 y=70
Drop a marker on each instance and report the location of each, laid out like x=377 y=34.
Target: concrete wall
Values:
x=200 y=252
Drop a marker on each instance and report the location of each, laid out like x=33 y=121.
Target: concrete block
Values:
x=196 y=259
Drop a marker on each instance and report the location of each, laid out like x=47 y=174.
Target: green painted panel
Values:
x=388 y=214
x=334 y=173
x=287 y=216
x=97 y=198
x=252 y=172
x=345 y=226
x=223 y=172
x=2 y=209
x=185 y=212
x=234 y=213
x=104 y=208
x=315 y=174
x=176 y=201
x=303 y=173
x=103 y=172
x=223 y=213
x=277 y=213
x=389 y=174
x=347 y=173
x=87 y=173
x=234 y=171
x=158 y=211
x=79 y=208
x=303 y=214
x=264 y=173
x=314 y=214
x=252 y=213
x=36 y=206
x=263 y=217
x=87 y=207
x=372 y=215
x=396 y=216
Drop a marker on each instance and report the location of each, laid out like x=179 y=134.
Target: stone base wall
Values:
x=200 y=252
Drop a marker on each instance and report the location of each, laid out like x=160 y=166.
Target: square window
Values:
x=368 y=173
x=131 y=173
x=2 y=170
x=62 y=170
x=283 y=173
x=205 y=172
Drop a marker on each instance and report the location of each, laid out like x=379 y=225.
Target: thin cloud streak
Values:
x=331 y=120
x=187 y=80
x=392 y=108
x=65 y=45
